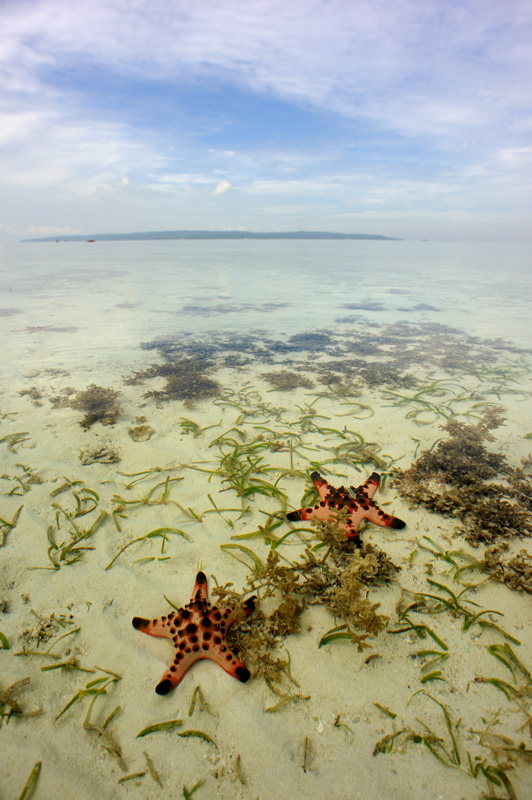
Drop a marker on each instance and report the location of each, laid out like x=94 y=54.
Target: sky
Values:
x=407 y=118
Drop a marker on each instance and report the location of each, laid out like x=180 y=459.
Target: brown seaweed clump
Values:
x=456 y=478
x=34 y=394
x=515 y=572
x=186 y=379
x=98 y=403
x=340 y=580
x=285 y=380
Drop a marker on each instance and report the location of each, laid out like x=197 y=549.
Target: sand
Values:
x=322 y=743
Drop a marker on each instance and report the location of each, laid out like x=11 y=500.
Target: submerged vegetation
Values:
x=186 y=379
x=339 y=579
x=98 y=403
x=285 y=381
x=230 y=475
x=457 y=478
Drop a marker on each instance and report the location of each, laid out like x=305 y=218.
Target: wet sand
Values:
x=324 y=740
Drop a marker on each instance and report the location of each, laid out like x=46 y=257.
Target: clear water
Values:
x=77 y=314
x=116 y=295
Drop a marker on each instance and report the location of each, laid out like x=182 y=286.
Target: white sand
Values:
x=295 y=750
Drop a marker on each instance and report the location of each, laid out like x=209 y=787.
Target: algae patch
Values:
x=98 y=403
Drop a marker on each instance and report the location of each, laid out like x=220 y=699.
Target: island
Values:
x=163 y=235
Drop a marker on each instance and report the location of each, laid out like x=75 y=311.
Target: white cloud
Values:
x=221 y=187
x=39 y=230
x=178 y=179
x=386 y=61
x=515 y=157
x=453 y=77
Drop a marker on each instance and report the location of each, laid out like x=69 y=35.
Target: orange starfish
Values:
x=197 y=631
x=357 y=501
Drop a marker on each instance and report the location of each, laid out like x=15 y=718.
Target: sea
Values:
x=89 y=303
x=163 y=406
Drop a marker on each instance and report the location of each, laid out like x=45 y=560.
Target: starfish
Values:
x=197 y=631
x=356 y=501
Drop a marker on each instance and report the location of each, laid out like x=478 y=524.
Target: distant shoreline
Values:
x=165 y=235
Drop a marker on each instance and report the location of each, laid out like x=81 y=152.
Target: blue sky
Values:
x=409 y=118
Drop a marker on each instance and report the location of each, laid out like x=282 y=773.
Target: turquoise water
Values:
x=83 y=300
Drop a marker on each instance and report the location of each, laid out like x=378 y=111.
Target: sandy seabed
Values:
x=348 y=724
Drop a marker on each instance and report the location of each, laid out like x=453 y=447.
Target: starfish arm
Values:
x=228 y=661
x=178 y=669
x=175 y=673
x=321 y=485
x=155 y=627
x=201 y=591
x=322 y=509
x=370 y=486
x=378 y=517
x=309 y=513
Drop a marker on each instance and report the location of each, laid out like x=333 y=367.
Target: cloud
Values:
x=47 y=146
x=39 y=230
x=429 y=102
x=221 y=187
x=370 y=58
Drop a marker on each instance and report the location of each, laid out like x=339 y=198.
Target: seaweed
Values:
x=286 y=381
x=31 y=783
x=6 y=526
x=187 y=378
x=242 y=465
x=72 y=549
x=121 y=504
x=187 y=793
x=13 y=440
x=456 y=478
x=159 y=533
x=95 y=689
x=134 y=776
x=106 y=454
x=151 y=769
x=357 y=373
x=339 y=580
x=365 y=305
x=230 y=308
x=34 y=394
x=168 y=725
x=197 y=734
x=448 y=748
x=199 y=699
x=515 y=572
x=8 y=705
x=188 y=426
x=98 y=403
x=339 y=385
x=314 y=341
x=24 y=481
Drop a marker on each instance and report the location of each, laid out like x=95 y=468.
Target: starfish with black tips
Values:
x=197 y=631
x=356 y=501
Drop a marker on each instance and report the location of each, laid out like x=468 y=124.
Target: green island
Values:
x=154 y=235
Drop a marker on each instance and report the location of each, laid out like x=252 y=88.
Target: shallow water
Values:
x=118 y=294
x=340 y=356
